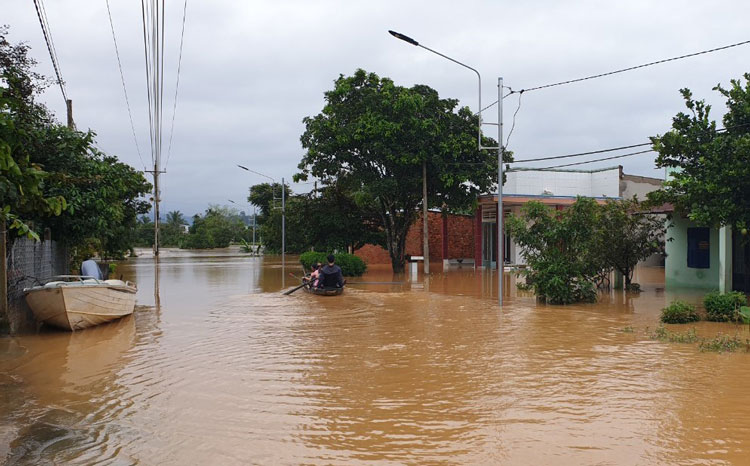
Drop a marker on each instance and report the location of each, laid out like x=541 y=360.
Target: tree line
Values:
x=55 y=177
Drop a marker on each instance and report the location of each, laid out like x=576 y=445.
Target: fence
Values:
x=28 y=263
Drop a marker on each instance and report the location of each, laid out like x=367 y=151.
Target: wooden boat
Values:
x=322 y=291
x=82 y=303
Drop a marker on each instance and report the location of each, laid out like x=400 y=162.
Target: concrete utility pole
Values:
x=156 y=210
x=4 y=274
x=425 y=223
x=69 y=108
x=283 y=224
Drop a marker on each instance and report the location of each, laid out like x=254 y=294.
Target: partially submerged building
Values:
x=556 y=188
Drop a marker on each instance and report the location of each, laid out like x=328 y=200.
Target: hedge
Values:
x=723 y=307
x=351 y=265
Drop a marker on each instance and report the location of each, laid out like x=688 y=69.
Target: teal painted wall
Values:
x=676 y=272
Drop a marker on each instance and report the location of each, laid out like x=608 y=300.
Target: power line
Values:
x=631 y=68
x=177 y=86
x=124 y=89
x=513 y=126
x=600 y=151
x=46 y=31
x=596 y=160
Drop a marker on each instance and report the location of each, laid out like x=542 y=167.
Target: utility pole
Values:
x=426 y=236
x=500 y=213
x=157 y=199
x=283 y=224
x=69 y=108
x=4 y=274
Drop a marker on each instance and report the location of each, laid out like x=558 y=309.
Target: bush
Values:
x=723 y=307
x=679 y=313
x=351 y=265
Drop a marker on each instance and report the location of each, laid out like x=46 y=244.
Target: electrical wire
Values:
x=600 y=151
x=124 y=89
x=46 y=31
x=177 y=86
x=631 y=68
x=513 y=126
x=596 y=160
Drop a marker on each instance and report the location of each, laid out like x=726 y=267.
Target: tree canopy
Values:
x=710 y=178
x=374 y=137
x=53 y=176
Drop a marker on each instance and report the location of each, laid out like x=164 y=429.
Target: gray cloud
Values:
x=252 y=70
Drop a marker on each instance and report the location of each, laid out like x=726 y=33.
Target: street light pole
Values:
x=283 y=226
x=499 y=148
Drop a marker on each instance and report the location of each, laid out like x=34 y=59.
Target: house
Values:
x=555 y=188
x=703 y=257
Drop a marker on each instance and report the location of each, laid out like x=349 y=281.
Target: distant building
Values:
x=555 y=188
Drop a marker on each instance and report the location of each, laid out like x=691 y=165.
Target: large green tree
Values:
x=85 y=196
x=375 y=136
x=709 y=179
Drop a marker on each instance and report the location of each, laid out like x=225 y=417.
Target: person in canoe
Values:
x=330 y=275
x=314 y=279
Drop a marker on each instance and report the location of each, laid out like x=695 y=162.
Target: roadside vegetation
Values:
x=218 y=227
x=571 y=253
x=351 y=265
x=55 y=177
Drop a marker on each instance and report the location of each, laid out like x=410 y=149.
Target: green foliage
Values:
x=557 y=247
x=724 y=344
x=375 y=136
x=351 y=265
x=267 y=197
x=330 y=220
x=624 y=236
x=217 y=228
x=662 y=334
x=54 y=176
x=679 y=312
x=723 y=307
x=710 y=177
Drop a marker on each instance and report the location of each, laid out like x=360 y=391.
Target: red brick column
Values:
x=478 y=237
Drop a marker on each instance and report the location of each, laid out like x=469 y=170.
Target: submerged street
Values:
x=218 y=367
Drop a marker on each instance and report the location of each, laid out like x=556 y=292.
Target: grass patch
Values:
x=723 y=344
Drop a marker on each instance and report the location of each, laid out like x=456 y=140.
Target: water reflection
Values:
x=216 y=366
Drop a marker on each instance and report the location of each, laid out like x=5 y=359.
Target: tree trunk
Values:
x=746 y=271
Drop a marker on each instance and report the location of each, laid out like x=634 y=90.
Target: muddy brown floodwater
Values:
x=219 y=368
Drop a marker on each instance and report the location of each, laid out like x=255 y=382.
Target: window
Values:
x=699 y=248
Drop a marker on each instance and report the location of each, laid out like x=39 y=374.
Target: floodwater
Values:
x=217 y=367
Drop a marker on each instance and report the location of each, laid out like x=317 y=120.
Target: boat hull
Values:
x=75 y=307
x=324 y=291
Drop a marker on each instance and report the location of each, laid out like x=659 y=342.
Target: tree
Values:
x=21 y=179
x=54 y=176
x=375 y=136
x=625 y=235
x=267 y=197
x=171 y=233
x=710 y=177
x=557 y=246
x=217 y=228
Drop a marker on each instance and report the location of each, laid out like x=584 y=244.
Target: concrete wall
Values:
x=632 y=185
x=677 y=274
x=564 y=183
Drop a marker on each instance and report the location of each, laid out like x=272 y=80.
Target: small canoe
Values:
x=75 y=305
x=323 y=291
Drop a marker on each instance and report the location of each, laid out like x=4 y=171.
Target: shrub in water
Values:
x=723 y=307
x=679 y=313
x=351 y=265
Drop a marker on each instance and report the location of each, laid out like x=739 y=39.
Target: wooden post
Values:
x=426 y=248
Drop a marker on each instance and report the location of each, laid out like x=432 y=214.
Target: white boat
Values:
x=85 y=302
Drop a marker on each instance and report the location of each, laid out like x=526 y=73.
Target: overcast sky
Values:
x=251 y=71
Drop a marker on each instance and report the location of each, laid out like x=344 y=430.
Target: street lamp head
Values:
x=244 y=168
x=403 y=37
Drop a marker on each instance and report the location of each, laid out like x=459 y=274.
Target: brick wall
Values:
x=460 y=240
